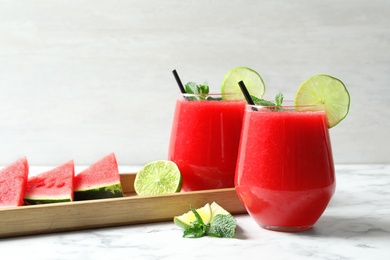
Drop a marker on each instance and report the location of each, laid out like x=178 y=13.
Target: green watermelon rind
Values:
x=103 y=192
x=44 y=201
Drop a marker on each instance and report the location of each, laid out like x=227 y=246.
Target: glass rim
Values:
x=209 y=94
x=289 y=107
x=226 y=97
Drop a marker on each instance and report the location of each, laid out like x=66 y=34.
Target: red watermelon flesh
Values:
x=99 y=180
x=53 y=186
x=13 y=180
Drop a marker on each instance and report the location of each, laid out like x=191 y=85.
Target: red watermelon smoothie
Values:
x=204 y=141
x=285 y=170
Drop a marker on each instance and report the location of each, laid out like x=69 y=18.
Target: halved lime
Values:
x=252 y=80
x=158 y=177
x=186 y=220
x=328 y=93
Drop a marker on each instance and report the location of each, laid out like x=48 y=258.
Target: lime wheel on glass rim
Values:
x=326 y=92
x=253 y=82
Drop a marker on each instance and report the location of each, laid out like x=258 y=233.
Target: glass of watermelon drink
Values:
x=204 y=140
x=285 y=170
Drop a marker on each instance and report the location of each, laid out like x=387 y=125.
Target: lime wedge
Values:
x=252 y=80
x=186 y=220
x=158 y=177
x=216 y=209
x=328 y=93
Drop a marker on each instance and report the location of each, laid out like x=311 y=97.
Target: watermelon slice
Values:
x=13 y=180
x=100 y=180
x=52 y=186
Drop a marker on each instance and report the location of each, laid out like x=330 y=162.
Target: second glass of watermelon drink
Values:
x=204 y=140
x=285 y=170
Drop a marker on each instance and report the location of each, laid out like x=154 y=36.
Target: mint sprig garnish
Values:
x=262 y=102
x=193 y=88
x=202 y=90
x=198 y=228
x=266 y=103
x=221 y=226
x=279 y=99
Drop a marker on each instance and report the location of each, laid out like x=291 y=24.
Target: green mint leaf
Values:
x=195 y=232
x=199 y=219
x=262 y=102
x=222 y=226
x=201 y=89
x=191 y=88
x=198 y=229
x=279 y=99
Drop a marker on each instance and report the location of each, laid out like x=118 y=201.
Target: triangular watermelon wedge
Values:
x=53 y=186
x=100 y=180
x=13 y=180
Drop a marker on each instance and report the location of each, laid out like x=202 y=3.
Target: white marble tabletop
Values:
x=356 y=225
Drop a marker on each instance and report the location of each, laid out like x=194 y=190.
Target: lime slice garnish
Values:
x=252 y=80
x=328 y=93
x=158 y=177
x=186 y=220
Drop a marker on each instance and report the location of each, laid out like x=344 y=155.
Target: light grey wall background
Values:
x=80 y=79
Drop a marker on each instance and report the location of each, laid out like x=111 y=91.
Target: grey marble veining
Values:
x=356 y=225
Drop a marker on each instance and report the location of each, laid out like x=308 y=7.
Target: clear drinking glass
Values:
x=285 y=170
x=204 y=140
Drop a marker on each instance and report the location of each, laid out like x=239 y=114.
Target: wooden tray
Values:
x=131 y=209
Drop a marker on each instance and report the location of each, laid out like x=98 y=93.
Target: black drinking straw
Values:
x=181 y=87
x=246 y=94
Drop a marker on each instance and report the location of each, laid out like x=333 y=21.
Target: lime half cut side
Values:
x=327 y=93
x=252 y=80
x=157 y=178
